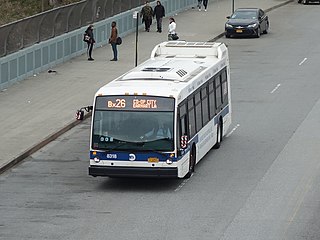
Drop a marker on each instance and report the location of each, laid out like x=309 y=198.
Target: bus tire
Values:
x=219 y=135
x=192 y=162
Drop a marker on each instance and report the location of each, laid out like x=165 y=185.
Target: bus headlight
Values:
x=96 y=159
x=169 y=161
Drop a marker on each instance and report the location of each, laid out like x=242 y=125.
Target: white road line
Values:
x=305 y=59
x=228 y=135
x=182 y=184
x=276 y=88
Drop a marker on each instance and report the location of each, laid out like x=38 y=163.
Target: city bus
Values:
x=163 y=116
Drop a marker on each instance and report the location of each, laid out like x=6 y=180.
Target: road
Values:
x=261 y=183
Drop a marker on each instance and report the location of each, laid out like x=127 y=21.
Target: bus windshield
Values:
x=133 y=130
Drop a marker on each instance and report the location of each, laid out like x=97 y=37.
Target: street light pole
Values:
x=136 y=16
x=137 y=31
x=232 y=6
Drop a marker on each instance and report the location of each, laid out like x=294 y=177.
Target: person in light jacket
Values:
x=172 y=28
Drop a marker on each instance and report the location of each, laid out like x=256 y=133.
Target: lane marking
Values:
x=276 y=88
x=228 y=135
x=305 y=59
x=182 y=184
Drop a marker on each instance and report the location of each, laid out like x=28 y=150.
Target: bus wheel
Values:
x=219 y=135
x=192 y=162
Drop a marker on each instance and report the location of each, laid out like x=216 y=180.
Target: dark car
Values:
x=308 y=1
x=247 y=22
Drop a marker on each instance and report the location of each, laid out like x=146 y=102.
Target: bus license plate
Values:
x=153 y=160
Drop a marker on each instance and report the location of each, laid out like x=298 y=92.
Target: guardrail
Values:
x=61 y=42
x=50 y=24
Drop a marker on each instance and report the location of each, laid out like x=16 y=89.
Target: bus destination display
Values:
x=141 y=103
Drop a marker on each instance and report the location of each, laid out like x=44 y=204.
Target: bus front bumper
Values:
x=107 y=171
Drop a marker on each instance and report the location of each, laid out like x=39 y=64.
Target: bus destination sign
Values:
x=141 y=103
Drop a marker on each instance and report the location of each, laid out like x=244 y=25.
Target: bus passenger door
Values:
x=183 y=135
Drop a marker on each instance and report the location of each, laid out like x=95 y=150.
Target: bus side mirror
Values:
x=184 y=141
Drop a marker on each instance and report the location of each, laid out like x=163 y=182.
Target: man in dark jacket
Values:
x=159 y=12
x=146 y=14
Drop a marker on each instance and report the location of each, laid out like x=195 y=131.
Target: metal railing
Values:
x=49 y=24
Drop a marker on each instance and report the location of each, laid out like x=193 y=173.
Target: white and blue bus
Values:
x=162 y=117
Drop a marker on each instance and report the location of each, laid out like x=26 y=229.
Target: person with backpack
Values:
x=159 y=13
x=89 y=38
x=147 y=14
x=113 y=40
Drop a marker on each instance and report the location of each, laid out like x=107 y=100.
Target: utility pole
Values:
x=232 y=6
x=136 y=15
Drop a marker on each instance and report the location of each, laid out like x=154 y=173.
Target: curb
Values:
x=74 y=123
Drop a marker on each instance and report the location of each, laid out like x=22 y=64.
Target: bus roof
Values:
x=173 y=67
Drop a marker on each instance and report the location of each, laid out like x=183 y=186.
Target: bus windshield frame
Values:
x=133 y=123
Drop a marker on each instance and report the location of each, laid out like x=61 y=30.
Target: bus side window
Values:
x=218 y=92
x=191 y=118
x=197 y=101
x=205 y=107
x=212 y=100
x=224 y=85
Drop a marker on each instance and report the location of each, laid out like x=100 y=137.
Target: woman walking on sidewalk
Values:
x=90 y=42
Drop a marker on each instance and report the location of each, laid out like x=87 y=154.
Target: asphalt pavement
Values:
x=37 y=110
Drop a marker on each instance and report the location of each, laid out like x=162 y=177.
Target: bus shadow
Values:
x=140 y=184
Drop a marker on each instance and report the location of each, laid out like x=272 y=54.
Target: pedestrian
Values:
x=147 y=14
x=90 y=42
x=205 y=4
x=113 y=40
x=199 y=4
x=172 y=35
x=159 y=12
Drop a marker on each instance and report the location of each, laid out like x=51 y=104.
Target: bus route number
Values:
x=119 y=103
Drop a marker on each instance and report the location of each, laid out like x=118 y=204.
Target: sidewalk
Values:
x=37 y=110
